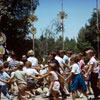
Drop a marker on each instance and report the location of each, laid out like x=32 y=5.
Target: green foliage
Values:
x=14 y=23
x=70 y=45
x=87 y=37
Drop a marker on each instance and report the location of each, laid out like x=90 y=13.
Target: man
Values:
x=93 y=71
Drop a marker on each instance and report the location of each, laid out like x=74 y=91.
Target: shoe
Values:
x=90 y=99
x=89 y=93
x=64 y=97
x=77 y=96
x=68 y=95
x=81 y=95
x=96 y=98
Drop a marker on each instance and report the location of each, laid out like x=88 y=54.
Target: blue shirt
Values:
x=4 y=76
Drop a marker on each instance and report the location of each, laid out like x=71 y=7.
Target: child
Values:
x=31 y=83
x=54 y=85
x=19 y=76
x=78 y=82
x=4 y=79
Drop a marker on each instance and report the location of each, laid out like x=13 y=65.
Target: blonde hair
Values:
x=74 y=57
x=31 y=53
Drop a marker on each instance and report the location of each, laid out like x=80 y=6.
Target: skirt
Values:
x=78 y=83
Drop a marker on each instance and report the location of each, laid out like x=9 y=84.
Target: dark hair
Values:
x=53 y=66
x=53 y=53
x=62 y=51
x=13 y=55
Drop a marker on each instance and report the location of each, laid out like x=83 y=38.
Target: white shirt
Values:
x=60 y=60
x=9 y=59
x=94 y=63
x=44 y=70
x=4 y=76
x=76 y=69
x=33 y=60
x=65 y=59
x=31 y=71
x=54 y=76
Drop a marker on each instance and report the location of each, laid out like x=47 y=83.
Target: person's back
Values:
x=33 y=60
x=20 y=76
x=31 y=71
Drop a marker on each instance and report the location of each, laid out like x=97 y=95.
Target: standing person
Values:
x=69 y=53
x=32 y=58
x=13 y=63
x=52 y=56
x=31 y=84
x=81 y=62
x=93 y=71
x=53 y=60
x=62 y=65
x=9 y=57
x=4 y=78
x=19 y=78
x=43 y=66
x=99 y=78
x=65 y=61
x=65 y=58
x=24 y=59
x=82 y=66
x=78 y=82
x=54 y=80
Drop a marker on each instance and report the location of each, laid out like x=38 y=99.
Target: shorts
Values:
x=31 y=84
x=78 y=83
x=56 y=86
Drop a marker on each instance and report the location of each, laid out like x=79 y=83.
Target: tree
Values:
x=87 y=37
x=14 y=23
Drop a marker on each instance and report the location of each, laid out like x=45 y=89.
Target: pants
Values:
x=94 y=80
x=3 y=89
x=21 y=93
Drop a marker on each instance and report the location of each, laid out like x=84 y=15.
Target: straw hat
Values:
x=89 y=51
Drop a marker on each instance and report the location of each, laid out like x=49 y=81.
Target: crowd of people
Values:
x=63 y=72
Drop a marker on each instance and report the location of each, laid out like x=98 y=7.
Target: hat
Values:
x=30 y=53
x=89 y=51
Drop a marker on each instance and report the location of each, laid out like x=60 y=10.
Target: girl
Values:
x=78 y=82
x=54 y=85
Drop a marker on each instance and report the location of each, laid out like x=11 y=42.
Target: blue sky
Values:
x=79 y=11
